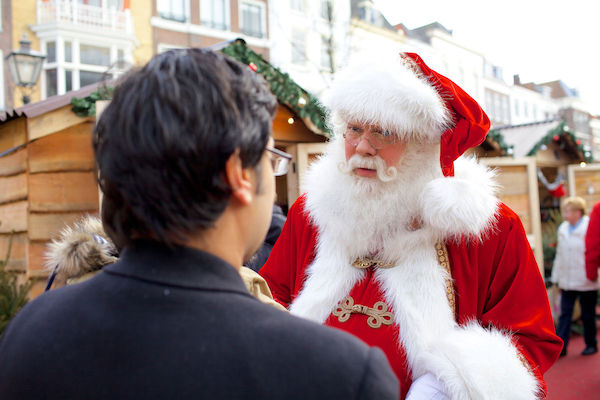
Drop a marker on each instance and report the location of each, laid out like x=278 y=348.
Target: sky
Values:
x=541 y=40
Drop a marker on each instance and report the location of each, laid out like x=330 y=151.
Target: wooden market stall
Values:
x=534 y=179
x=46 y=179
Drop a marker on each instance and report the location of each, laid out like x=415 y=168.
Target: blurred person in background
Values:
x=569 y=273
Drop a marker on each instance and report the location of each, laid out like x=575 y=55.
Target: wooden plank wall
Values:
x=61 y=188
x=13 y=209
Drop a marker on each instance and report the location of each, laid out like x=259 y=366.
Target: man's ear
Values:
x=238 y=178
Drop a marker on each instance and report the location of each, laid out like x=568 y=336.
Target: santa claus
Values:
x=405 y=245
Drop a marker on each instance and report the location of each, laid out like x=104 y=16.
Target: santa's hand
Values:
x=426 y=387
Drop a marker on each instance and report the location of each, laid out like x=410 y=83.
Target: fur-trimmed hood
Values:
x=80 y=249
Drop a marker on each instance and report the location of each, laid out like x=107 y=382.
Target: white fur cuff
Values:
x=477 y=363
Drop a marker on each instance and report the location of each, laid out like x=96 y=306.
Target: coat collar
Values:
x=179 y=266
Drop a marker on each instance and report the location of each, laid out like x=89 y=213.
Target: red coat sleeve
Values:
x=592 y=244
x=292 y=254
x=511 y=296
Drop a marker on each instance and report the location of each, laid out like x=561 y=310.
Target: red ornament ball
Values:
x=556 y=138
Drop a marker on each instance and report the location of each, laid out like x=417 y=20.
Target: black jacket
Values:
x=178 y=324
x=261 y=256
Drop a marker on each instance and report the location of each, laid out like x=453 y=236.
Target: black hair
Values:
x=162 y=143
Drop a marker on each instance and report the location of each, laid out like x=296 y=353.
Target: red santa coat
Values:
x=501 y=338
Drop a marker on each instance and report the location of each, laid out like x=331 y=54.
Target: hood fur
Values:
x=81 y=248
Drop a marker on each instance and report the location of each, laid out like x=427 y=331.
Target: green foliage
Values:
x=13 y=296
x=282 y=86
x=86 y=107
x=497 y=137
x=562 y=130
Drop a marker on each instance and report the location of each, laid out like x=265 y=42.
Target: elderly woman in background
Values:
x=569 y=274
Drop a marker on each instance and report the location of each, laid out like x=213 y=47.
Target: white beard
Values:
x=366 y=213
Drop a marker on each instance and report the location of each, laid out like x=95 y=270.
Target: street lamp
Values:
x=25 y=66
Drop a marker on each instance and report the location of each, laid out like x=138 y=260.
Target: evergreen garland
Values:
x=282 y=86
x=288 y=92
x=562 y=131
x=497 y=137
x=13 y=296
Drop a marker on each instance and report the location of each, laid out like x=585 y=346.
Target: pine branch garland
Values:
x=564 y=133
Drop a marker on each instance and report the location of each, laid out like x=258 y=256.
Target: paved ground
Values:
x=574 y=376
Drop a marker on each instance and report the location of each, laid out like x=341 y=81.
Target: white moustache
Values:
x=384 y=173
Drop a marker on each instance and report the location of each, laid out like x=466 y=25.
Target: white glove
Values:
x=426 y=387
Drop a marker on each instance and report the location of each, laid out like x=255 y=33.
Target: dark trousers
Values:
x=588 y=315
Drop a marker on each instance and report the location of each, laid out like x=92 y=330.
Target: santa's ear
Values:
x=238 y=178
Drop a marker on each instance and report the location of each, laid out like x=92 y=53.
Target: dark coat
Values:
x=262 y=255
x=179 y=324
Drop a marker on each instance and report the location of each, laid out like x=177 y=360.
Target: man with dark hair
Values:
x=186 y=166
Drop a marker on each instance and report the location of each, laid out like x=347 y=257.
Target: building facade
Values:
x=203 y=23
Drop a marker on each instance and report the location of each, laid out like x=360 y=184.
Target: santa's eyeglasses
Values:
x=378 y=138
x=280 y=161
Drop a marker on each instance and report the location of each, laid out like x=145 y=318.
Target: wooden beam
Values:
x=14 y=163
x=45 y=226
x=13 y=217
x=36 y=259
x=63 y=191
x=68 y=150
x=13 y=188
x=52 y=122
x=297 y=132
x=16 y=259
x=12 y=134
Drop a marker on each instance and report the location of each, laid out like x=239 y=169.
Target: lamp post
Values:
x=25 y=66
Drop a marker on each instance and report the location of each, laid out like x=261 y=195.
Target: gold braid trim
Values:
x=444 y=261
x=378 y=314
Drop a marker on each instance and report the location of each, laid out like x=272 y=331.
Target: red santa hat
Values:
x=413 y=101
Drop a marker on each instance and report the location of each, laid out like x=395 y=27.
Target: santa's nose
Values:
x=364 y=147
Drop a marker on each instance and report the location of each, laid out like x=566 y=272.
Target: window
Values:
x=326 y=9
x=68 y=51
x=51 y=52
x=96 y=3
x=497 y=107
x=325 y=54
x=80 y=64
x=298 y=47
x=297 y=5
x=215 y=14
x=51 y=82
x=517 y=108
x=88 y=77
x=94 y=55
x=172 y=9
x=2 y=100
x=68 y=80
x=252 y=19
x=526 y=109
